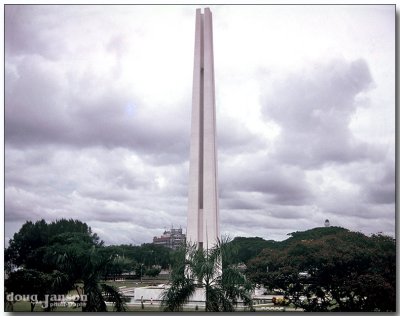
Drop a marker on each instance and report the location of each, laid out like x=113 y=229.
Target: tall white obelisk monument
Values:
x=203 y=210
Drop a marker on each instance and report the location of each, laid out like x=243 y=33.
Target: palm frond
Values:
x=178 y=294
x=113 y=295
x=223 y=283
x=95 y=300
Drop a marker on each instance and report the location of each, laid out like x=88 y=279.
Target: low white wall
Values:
x=155 y=294
x=148 y=293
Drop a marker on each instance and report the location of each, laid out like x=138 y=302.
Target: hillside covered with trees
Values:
x=330 y=269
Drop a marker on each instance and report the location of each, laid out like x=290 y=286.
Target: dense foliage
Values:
x=32 y=282
x=249 y=247
x=331 y=269
x=322 y=269
x=147 y=254
x=53 y=258
x=30 y=245
x=47 y=259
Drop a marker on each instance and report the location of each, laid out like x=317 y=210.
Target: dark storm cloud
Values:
x=74 y=102
x=45 y=30
x=65 y=170
x=382 y=189
x=262 y=220
x=278 y=184
x=238 y=203
x=79 y=143
x=374 y=183
x=20 y=31
x=314 y=110
x=384 y=194
x=355 y=209
x=41 y=109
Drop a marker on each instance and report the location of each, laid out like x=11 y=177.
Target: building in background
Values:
x=172 y=238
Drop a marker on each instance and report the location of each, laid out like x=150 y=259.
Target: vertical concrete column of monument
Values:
x=203 y=210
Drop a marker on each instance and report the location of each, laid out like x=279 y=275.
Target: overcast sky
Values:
x=97 y=117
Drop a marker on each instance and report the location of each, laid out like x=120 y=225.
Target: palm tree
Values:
x=86 y=265
x=210 y=269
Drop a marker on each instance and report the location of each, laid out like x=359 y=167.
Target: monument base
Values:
x=154 y=294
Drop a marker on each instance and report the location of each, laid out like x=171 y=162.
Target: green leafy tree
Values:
x=117 y=265
x=29 y=245
x=66 y=247
x=140 y=270
x=146 y=254
x=153 y=272
x=223 y=284
x=249 y=247
x=337 y=271
x=85 y=262
x=150 y=255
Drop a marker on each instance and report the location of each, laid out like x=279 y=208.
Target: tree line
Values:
x=322 y=269
x=54 y=258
